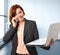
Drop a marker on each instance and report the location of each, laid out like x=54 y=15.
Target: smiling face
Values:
x=16 y=11
x=19 y=14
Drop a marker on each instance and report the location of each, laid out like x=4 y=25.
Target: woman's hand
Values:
x=14 y=21
x=51 y=42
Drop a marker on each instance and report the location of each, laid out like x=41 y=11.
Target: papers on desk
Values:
x=41 y=41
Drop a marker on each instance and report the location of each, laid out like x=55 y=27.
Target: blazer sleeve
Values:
x=35 y=31
x=9 y=34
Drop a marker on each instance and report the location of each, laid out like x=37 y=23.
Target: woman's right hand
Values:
x=14 y=21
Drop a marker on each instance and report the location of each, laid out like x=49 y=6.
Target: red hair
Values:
x=13 y=11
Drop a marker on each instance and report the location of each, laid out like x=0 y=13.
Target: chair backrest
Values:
x=53 y=32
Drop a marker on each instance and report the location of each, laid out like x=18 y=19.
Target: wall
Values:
x=44 y=12
x=2 y=18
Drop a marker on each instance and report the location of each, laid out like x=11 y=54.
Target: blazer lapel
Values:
x=25 y=28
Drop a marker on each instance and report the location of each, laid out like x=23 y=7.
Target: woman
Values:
x=21 y=31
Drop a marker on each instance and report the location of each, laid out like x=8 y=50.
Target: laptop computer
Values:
x=42 y=41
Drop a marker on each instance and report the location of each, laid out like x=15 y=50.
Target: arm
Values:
x=1 y=43
x=9 y=34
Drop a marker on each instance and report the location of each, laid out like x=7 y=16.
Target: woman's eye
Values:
x=20 y=12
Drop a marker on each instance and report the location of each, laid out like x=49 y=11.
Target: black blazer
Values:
x=30 y=34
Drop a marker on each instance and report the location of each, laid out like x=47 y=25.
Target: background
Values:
x=44 y=12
